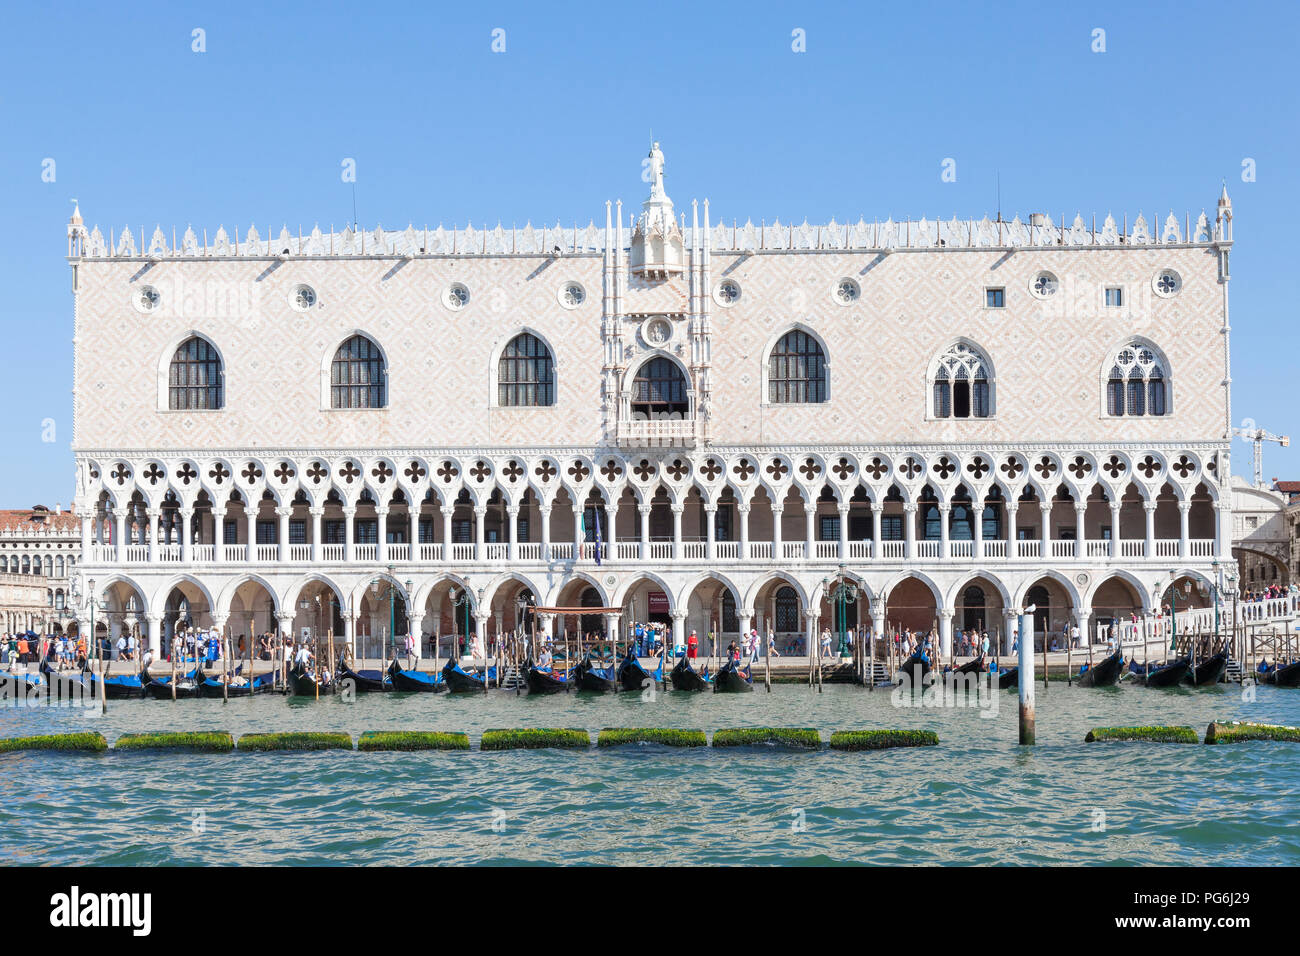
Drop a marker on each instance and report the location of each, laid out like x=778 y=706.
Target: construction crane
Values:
x=1257 y=437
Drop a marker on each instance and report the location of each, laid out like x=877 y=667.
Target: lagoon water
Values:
x=977 y=798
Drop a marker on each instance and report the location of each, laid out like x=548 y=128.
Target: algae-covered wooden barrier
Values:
x=1159 y=734
x=1235 y=732
x=381 y=740
x=882 y=739
x=295 y=741
x=535 y=738
x=82 y=742
x=799 y=738
x=664 y=736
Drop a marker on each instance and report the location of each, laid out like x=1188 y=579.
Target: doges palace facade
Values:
x=704 y=423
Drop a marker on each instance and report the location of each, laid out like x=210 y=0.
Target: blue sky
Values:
x=143 y=130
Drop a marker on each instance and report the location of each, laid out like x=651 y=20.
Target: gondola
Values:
x=592 y=678
x=1009 y=678
x=686 y=677
x=187 y=686
x=259 y=685
x=18 y=687
x=1168 y=674
x=632 y=676
x=68 y=685
x=118 y=686
x=731 y=679
x=461 y=681
x=545 y=680
x=915 y=669
x=975 y=666
x=1210 y=670
x=1287 y=675
x=410 y=682
x=303 y=683
x=1104 y=673
x=363 y=681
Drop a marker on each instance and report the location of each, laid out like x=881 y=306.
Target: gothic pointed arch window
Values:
x=358 y=375
x=194 y=377
x=659 y=391
x=1136 y=384
x=796 y=370
x=961 y=383
x=525 y=373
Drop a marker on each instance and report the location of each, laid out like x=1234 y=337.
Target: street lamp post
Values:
x=842 y=595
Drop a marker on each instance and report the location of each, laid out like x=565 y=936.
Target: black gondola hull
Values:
x=1009 y=678
x=1210 y=670
x=1104 y=673
x=364 y=684
x=302 y=683
x=1169 y=675
x=685 y=677
x=1288 y=676
x=459 y=681
x=729 y=680
x=915 y=671
x=405 y=683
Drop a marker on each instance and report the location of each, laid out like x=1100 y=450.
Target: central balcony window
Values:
x=659 y=406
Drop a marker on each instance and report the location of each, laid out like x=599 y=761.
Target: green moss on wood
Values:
x=800 y=737
x=1233 y=732
x=534 y=738
x=295 y=741
x=77 y=741
x=206 y=741
x=412 y=740
x=667 y=736
x=882 y=739
x=1163 y=735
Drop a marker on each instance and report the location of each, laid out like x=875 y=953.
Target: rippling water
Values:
x=977 y=798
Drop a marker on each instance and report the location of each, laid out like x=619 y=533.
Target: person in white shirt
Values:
x=121 y=648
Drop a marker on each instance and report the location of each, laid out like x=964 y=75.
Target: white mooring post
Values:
x=1026 y=681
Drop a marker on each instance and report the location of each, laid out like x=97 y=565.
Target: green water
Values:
x=977 y=798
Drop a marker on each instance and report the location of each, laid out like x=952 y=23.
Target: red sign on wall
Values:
x=658 y=602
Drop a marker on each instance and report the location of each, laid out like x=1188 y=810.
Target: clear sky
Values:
x=143 y=130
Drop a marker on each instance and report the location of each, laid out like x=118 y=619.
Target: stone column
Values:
x=611 y=532
x=285 y=621
x=909 y=530
x=1045 y=511
x=349 y=535
x=743 y=511
x=1114 y=528
x=778 y=511
x=1012 y=510
x=87 y=519
x=187 y=536
x=877 y=538
x=677 y=531
x=153 y=637
x=317 y=553
x=945 y=631
x=417 y=633
x=844 y=530
x=579 y=537
x=480 y=518
x=447 y=511
x=155 y=516
x=1008 y=629
x=810 y=530
x=644 y=511
x=512 y=516
x=711 y=529
x=413 y=533
x=544 y=513
x=1080 y=540
x=250 y=517
x=945 y=550
x=1184 y=542
x=381 y=535
x=1150 y=508
x=977 y=529
x=679 y=627
x=283 y=514
x=119 y=536
x=744 y=618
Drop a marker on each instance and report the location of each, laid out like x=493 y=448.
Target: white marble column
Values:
x=743 y=511
x=447 y=512
x=1184 y=540
x=677 y=531
x=711 y=530
x=644 y=512
x=349 y=534
x=316 y=553
x=283 y=514
x=512 y=517
x=1150 y=508
x=381 y=535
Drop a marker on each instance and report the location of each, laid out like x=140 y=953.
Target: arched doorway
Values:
x=974 y=611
